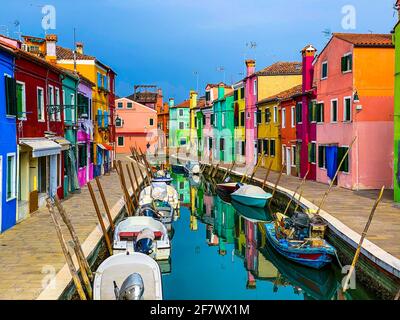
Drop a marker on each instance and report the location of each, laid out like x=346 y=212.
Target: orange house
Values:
x=136 y=126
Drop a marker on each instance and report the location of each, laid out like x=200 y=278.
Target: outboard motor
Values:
x=300 y=221
x=132 y=288
x=144 y=241
x=148 y=212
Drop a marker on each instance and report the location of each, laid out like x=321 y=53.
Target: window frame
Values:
x=270 y=148
x=315 y=152
x=255 y=87
x=13 y=196
x=300 y=103
x=324 y=63
x=50 y=101
x=351 y=64
x=337 y=110
x=129 y=105
x=24 y=114
x=123 y=141
x=293 y=116
x=276 y=116
x=72 y=107
x=57 y=101
x=42 y=109
x=344 y=109
x=318 y=110
x=120 y=105
x=283 y=118
x=293 y=149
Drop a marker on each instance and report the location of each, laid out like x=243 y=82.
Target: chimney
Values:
x=250 y=67
x=79 y=47
x=51 y=41
x=193 y=99
x=171 y=102
x=159 y=102
x=221 y=90
x=308 y=54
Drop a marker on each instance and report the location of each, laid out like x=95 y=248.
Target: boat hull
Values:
x=316 y=258
x=176 y=168
x=227 y=187
x=250 y=201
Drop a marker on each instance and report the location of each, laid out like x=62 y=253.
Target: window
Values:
x=275 y=114
x=324 y=74
x=83 y=106
x=293 y=117
x=50 y=102
x=21 y=100
x=312 y=152
x=258 y=116
x=223 y=119
x=183 y=141
x=293 y=155
x=255 y=87
x=40 y=104
x=334 y=110
x=299 y=113
x=347 y=109
x=272 y=148
x=129 y=105
x=341 y=153
x=242 y=119
x=82 y=155
x=181 y=112
x=11 y=97
x=120 y=105
x=11 y=176
x=215 y=122
x=347 y=63
x=58 y=104
x=91 y=152
x=243 y=148
x=72 y=97
x=312 y=114
x=210 y=143
x=259 y=146
x=222 y=144
x=99 y=80
x=322 y=157
x=265 y=147
x=151 y=121
x=267 y=115
x=64 y=106
x=118 y=122
x=242 y=93
x=181 y=125
x=283 y=118
x=235 y=95
x=207 y=95
x=120 y=141
x=320 y=112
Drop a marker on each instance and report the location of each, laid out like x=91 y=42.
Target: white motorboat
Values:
x=192 y=167
x=128 y=276
x=142 y=234
x=252 y=196
x=159 y=191
x=158 y=210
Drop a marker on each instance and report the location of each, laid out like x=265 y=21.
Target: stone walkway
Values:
x=30 y=252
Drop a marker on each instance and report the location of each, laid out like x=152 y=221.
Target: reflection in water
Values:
x=220 y=251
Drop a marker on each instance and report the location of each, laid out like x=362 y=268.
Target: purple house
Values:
x=250 y=112
x=85 y=131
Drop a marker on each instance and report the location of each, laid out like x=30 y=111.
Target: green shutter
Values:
x=310 y=111
x=19 y=101
x=344 y=64
x=11 y=96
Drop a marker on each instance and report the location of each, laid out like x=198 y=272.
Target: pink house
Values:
x=250 y=112
x=355 y=87
x=136 y=126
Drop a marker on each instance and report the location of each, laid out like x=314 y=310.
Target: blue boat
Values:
x=301 y=251
x=178 y=168
x=252 y=196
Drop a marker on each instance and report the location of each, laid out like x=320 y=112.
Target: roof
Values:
x=282 y=68
x=366 y=39
x=216 y=85
x=201 y=103
x=284 y=95
x=184 y=104
x=143 y=97
x=68 y=54
x=135 y=103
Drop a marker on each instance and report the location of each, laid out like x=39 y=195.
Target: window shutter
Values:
x=11 y=96
x=350 y=57
x=258 y=116
x=310 y=111
x=19 y=100
x=343 y=64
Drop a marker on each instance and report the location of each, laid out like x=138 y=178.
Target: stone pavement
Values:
x=30 y=252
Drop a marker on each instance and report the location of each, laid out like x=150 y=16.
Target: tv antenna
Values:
x=221 y=69
x=17 y=25
x=327 y=33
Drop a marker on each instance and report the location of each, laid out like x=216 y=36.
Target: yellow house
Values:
x=193 y=124
x=272 y=80
x=239 y=122
x=102 y=93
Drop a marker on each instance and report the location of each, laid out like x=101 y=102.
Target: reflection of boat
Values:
x=252 y=214
x=159 y=191
x=228 y=187
x=165 y=266
x=177 y=168
x=142 y=234
x=162 y=176
x=192 y=167
x=303 y=251
x=250 y=195
x=223 y=195
x=319 y=284
x=194 y=181
x=133 y=276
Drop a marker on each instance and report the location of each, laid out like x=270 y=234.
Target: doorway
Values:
x=288 y=161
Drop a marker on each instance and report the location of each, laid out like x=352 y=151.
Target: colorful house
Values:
x=355 y=86
x=306 y=126
x=270 y=83
x=103 y=94
x=239 y=122
x=224 y=125
x=179 y=125
x=277 y=130
x=85 y=131
x=163 y=126
x=200 y=123
x=396 y=41
x=193 y=108
x=9 y=108
x=136 y=126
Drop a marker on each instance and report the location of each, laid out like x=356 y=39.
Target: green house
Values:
x=179 y=125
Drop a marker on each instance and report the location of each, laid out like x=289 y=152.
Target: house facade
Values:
x=193 y=108
x=163 y=126
x=9 y=109
x=136 y=126
x=201 y=121
x=239 y=122
x=179 y=125
x=355 y=86
x=396 y=165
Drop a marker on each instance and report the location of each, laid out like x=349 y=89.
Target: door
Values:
x=288 y=161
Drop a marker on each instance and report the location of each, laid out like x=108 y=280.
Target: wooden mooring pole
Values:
x=136 y=179
x=363 y=235
x=267 y=175
x=257 y=166
x=228 y=171
x=100 y=218
x=277 y=181
x=67 y=255
x=132 y=184
x=105 y=204
x=128 y=200
x=295 y=192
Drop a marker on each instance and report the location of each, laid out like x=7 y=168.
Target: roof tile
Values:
x=366 y=39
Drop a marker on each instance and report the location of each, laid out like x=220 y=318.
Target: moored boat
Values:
x=160 y=211
x=228 y=187
x=159 y=191
x=192 y=167
x=142 y=234
x=178 y=168
x=133 y=276
x=162 y=176
x=252 y=196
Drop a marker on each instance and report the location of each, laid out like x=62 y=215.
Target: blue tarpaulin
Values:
x=331 y=160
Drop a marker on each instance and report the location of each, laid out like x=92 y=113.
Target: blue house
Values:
x=8 y=140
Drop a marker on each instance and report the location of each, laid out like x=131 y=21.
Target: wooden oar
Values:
x=334 y=178
x=363 y=235
x=295 y=192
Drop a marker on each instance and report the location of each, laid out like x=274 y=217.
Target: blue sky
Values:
x=164 y=42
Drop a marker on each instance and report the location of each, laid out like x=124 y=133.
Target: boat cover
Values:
x=251 y=191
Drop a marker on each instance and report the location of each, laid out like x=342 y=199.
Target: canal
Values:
x=219 y=252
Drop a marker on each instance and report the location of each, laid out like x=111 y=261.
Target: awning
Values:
x=105 y=146
x=41 y=147
x=64 y=143
x=101 y=146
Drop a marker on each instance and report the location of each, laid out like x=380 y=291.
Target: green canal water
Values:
x=218 y=252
